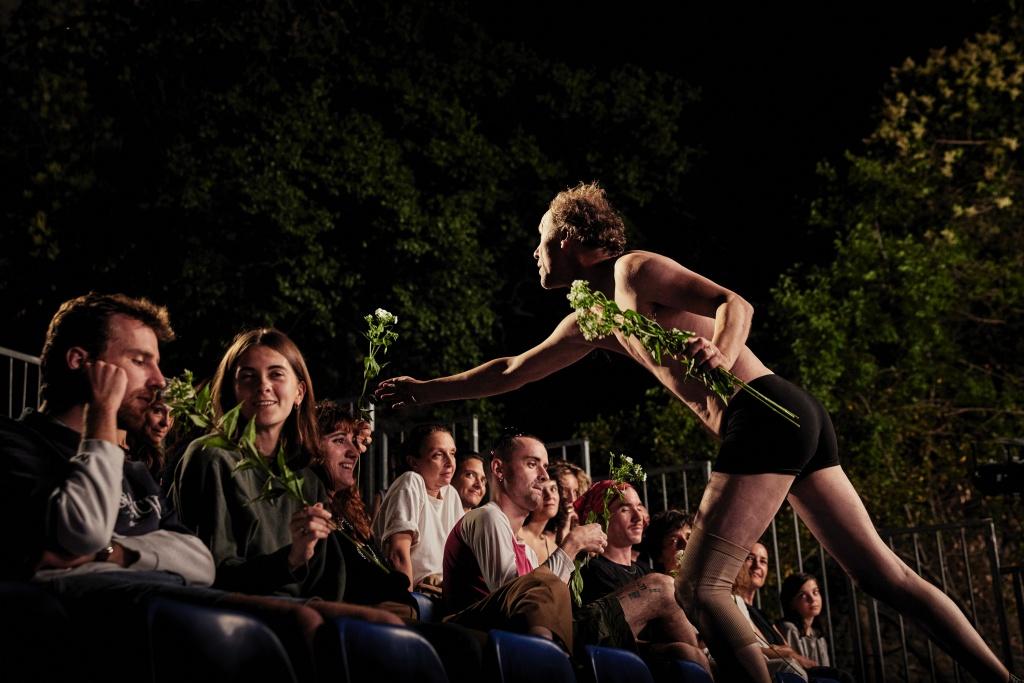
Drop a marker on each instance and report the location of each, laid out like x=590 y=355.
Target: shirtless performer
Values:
x=763 y=458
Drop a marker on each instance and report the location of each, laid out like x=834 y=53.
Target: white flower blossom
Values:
x=385 y=317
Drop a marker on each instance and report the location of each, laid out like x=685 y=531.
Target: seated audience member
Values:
x=637 y=549
x=89 y=526
x=420 y=508
x=74 y=502
x=493 y=580
x=470 y=480
x=147 y=445
x=370 y=578
x=366 y=582
x=572 y=480
x=538 y=531
x=801 y=607
x=264 y=547
x=749 y=580
x=665 y=628
x=665 y=538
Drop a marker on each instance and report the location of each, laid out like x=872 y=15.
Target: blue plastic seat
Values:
x=515 y=658
x=427 y=608
x=612 y=665
x=382 y=653
x=678 y=671
x=200 y=643
x=787 y=677
x=31 y=621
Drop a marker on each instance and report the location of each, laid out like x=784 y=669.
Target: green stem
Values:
x=781 y=410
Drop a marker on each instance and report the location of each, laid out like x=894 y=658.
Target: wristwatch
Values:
x=104 y=555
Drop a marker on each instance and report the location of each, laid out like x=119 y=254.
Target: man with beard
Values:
x=666 y=630
x=91 y=528
x=72 y=504
x=79 y=520
x=485 y=562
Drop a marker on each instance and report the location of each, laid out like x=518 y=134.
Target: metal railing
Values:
x=873 y=639
x=380 y=464
x=23 y=380
x=865 y=636
x=566 y=451
x=676 y=482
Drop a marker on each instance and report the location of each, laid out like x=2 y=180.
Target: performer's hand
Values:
x=707 y=355
x=307 y=526
x=399 y=392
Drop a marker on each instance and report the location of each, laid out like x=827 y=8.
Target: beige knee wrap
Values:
x=704 y=590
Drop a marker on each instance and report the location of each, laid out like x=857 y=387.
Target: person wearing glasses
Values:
x=763 y=459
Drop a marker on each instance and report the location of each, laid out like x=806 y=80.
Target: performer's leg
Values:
x=827 y=502
x=734 y=512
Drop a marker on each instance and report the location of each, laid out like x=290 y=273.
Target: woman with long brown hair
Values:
x=269 y=547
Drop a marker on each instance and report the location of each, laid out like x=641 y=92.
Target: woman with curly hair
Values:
x=371 y=580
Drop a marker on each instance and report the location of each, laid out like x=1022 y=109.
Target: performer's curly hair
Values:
x=585 y=213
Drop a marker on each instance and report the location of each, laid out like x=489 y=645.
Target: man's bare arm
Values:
x=562 y=348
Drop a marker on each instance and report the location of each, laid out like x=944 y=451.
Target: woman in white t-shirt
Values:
x=420 y=508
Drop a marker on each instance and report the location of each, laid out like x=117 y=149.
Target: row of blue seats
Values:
x=197 y=643
x=226 y=646
x=376 y=652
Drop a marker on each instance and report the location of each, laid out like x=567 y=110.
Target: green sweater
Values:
x=250 y=541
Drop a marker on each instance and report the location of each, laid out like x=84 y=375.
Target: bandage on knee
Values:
x=704 y=590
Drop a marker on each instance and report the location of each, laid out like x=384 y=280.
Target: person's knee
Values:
x=662 y=589
x=694 y=595
x=545 y=587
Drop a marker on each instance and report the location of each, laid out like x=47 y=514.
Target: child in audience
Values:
x=800 y=626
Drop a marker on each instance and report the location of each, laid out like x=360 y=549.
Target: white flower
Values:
x=628 y=459
x=385 y=317
x=579 y=292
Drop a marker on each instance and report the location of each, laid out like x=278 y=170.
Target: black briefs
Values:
x=757 y=440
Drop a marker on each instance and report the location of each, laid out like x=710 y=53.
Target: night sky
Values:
x=781 y=89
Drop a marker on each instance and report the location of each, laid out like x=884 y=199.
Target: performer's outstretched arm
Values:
x=562 y=348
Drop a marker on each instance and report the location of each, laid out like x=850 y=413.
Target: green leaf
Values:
x=229 y=422
x=216 y=440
